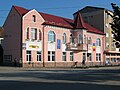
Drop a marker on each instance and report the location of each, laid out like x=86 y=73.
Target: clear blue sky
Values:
x=63 y=8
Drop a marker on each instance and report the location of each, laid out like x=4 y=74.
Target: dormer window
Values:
x=34 y=18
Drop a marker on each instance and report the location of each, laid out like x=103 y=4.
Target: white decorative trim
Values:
x=32 y=11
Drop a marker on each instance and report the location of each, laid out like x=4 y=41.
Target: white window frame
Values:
x=51 y=36
x=89 y=56
x=63 y=56
x=71 y=56
x=38 y=56
x=80 y=39
x=71 y=38
x=84 y=56
x=84 y=39
x=98 y=42
x=98 y=57
x=27 y=33
x=64 y=38
x=34 y=33
x=51 y=56
x=34 y=18
x=28 y=56
x=90 y=40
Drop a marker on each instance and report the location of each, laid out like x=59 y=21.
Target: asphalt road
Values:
x=59 y=79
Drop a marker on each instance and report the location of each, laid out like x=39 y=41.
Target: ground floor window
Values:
x=89 y=56
x=38 y=55
x=8 y=57
x=64 y=56
x=114 y=59
x=48 y=55
x=118 y=59
x=28 y=55
x=51 y=55
x=107 y=62
x=98 y=57
x=84 y=56
x=71 y=56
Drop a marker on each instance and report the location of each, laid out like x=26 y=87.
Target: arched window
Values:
x=34 y=18
x=40 y=35
x=27 y=33
x=98 y=42
x=80 y=38
x=51 y=36
x=64 y=38
x=84 y=39
x=89 y=40
x=71 y=38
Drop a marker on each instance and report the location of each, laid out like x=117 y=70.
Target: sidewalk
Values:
x=8 y=68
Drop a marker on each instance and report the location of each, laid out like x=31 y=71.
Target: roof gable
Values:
x=78 y=22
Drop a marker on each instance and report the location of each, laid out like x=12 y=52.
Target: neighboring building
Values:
x=1 y=48
x=1 y=35
x=37 y=39
x=98 y=18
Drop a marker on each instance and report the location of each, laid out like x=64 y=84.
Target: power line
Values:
x=4 y=10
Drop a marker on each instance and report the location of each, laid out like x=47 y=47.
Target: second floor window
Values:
x=98 y=42
x=64 y=38
x=84 y=39
x=33 y=33
x=27 y=33
x=71 y=38
x=40 y=35
x=80 y=39
x=51 y=36
x=89 y=40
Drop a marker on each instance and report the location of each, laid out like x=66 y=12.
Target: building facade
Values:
x=98 y=18
x=36 y=39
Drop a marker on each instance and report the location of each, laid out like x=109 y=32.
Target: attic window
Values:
x=34 y=18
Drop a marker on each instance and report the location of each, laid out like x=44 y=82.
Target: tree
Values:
x=115 y=25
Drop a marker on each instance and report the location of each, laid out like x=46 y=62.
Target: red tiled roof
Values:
x=57 y=21
x=21 y=10
x=92 y=29
x=62 y=22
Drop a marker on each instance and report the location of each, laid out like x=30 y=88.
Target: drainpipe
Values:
x=43 y=47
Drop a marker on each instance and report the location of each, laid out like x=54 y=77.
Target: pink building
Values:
x=36 y=39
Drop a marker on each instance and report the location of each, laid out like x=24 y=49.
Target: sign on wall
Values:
x=33 y=46
x=58 y=44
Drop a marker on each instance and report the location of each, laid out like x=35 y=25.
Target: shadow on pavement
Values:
x=17 y=85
